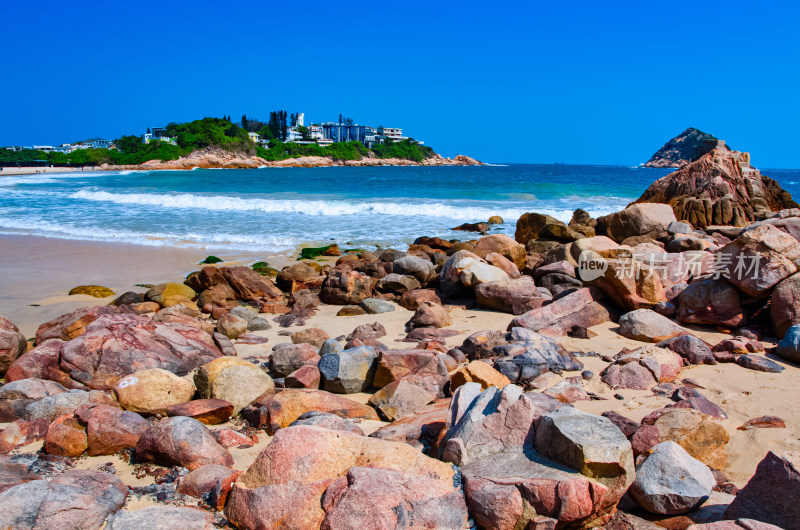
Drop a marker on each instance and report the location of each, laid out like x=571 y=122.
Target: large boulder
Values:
x=421 y=269
x=759 y=259
x=348 y=371
x=636 y=220
x=384 y=498
x=110 y=430
x=152 y=391
x=42 y=362
x=72 y=325
x=181 y=441
x=344 y=287
x=511 y=296
x=78 y=499
x=714 y=302
x=162 y=518
x=580 y=308
x=118 y=345
x=488 y=422
x=771 y=494
x=15 y=396
x=642 y=368
x=251 y=286
x=703 y=436
x=503 y=245
x=305 y=454
x=405 y=396
x=12 y=344
x=719 y=188
x=467 y=270
x=670 y=481
x=534 y=226
x=785 y=305
x=630 y=282
x=288 y=405
x=590 y=444
x=234 y=380
x=277 y=505
x=393 y=365
x=648 y=326
x=287 y=358
x=430 y=315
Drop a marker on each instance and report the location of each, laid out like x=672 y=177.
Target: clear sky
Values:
x=568 y=81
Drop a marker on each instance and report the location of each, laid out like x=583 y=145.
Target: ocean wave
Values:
x=306 y=207
x=156 y=239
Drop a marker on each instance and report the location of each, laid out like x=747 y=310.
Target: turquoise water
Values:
x=276 y=209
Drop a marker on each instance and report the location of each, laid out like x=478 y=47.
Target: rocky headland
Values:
x=213 y=158
x=634 y=371
x=687 y=147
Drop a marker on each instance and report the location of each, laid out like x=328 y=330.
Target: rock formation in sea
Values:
x=719 y=188
x=687 y=147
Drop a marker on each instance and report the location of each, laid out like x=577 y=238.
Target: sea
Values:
x=279 y=209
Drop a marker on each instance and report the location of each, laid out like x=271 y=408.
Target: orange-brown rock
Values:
x=290 y=404
x=478 y=372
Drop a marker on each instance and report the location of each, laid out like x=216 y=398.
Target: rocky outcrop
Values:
x=719 y=188
x=687 y=147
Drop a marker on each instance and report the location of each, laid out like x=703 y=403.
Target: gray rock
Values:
x=330 y=346
x=397 y=283
x=374 y=306
x=162 y=518
x=421 y=269
x=771 y=493
x=670 y=481
x=286 y=358
x=648 y=326
x=258 y=324
x=758 y=363
x=327 y=420
x=348 y=371
x=789 y=346
x=590 y=444
x=244 y=313
x=676 y=227
x=496 y=421
x=52 y=407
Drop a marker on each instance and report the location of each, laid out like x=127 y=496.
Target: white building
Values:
x=254 y=137
x=160 y=135
x=393 y=133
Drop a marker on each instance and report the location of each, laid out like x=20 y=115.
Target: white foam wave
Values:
x=157 y=239
x=306 y=207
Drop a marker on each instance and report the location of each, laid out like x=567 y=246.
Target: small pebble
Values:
x=619 y=396
x=587 y=374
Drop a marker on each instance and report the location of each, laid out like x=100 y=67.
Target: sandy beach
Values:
x=37 y=170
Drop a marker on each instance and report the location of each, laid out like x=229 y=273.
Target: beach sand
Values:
x=37 y=273
x=35 y=170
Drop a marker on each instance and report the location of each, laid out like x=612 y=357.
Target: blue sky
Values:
x=575 y=82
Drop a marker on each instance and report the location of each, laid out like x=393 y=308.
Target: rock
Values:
x=288 y=358
x=14 y=473
x=97 y=291
x=413 y=299
x=220 y=295
x=423 y=430
x=670 y=481
x=632 y=283
x=700 y=403
x=478 y=372
x=589 y=444
x=348 y=371
x=789 y=346
x=785 y=304
x=430 y=315
x=20 y=432
x=110 y=430
x=65 y=437
x=368 y=331
x=719 y=188
x=466 y=270
x=770 y=495
x=405 y=396
x=72 y=325
x=397 y=283
x=206 y=411
x=759 y=259
x=690 y=348
x=758 y=363
x=167 y=294
x=128 y=298
x=648 y=326
x=393 y=365
x=580 y=308
x=304 y=299
x=306 y=454
x=15 y=396
x=231 y=326
x=287 y=406
x=504 y=264
x=211 y=483
x=42 y=362
x=12 y=344
x=703 y=437
x=687 y=147
x=494 y=421
x=234 y=380
x=421 y=269
x=345 y=287
x=277 y=505
x=152 y=391
x=386 y=498
x=511 y=296
x=52 y=407
x=514 y=490
x=306 y=376
x=181 y=441
x=642 y=368
x=636 y=220
x=251 y=286
x=162 y=518
x=481 y=344
x=327 y=420
x=472 y=227
x=312 y=336
x=532 y=226
x=291 y=276
x=375 y=306
x=568 y=390
x=762 y=422
x=351 y=311
x=78 y=499
x=625 y=425
x=95 y=360
x=503 y=245
x=530 y=354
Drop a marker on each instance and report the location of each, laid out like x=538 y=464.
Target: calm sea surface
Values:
x=276 y=209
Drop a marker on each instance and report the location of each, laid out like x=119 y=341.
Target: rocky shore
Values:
x=634 y=371
x=211 y=158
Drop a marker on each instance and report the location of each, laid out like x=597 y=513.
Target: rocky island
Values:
x=687 y=147
x=620 y=372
